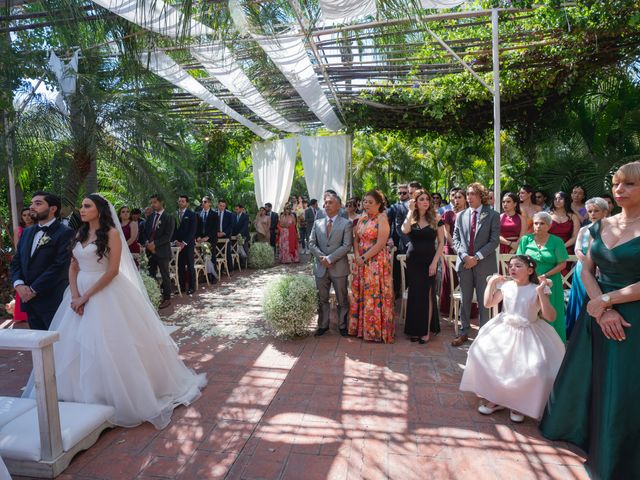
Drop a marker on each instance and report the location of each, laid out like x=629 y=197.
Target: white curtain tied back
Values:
x=274 y=165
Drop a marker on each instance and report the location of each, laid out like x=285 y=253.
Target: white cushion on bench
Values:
x=11 y=408
x=20 y=438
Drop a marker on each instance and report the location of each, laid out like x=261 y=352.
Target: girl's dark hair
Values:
x=20 y=222
x=567 y=202
x=378 y=197
x=527 y=188
x=529 y=262
x=102 y=234
x=516 y=200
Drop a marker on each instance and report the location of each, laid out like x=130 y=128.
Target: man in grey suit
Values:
x=330 y=241
x=475 y=237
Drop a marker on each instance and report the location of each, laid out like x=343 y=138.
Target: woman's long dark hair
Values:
x=516 y=200
x=20 y=221
x=102 y=234
x=567 y=202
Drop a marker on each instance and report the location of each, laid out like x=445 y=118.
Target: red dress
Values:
x=564 y=231
x=135 y=246
x=288 y=242
x=18 y=314
x=510 y=229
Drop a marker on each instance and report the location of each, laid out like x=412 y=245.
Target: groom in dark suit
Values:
x=40 y=268
x=159 y=230
x=185 y=238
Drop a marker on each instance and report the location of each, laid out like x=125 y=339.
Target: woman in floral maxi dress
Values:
x=371 y=309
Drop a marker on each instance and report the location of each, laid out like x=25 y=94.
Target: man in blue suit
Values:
x=185 y=237
x=241 y=226
x=241 y=223
x=224 y=226
x=40 y=267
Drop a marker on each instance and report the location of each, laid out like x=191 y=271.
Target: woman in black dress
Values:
x=426 y=231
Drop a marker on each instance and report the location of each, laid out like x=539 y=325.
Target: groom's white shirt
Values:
x=34 y=245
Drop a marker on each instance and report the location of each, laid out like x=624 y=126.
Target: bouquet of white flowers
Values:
x=261 y=255
x=290 y=304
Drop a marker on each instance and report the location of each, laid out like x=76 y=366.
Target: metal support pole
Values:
x=496 y=108
x=9 y=151
x=350 y=163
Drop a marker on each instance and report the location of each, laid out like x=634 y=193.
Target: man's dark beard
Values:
x=36 y=217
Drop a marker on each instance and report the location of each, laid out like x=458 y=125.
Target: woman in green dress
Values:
x=551 y=256
x=594 y=402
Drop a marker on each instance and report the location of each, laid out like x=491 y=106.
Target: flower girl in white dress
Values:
x=516 y=356
x=113 y=348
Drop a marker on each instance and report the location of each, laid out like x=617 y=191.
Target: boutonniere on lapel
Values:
x=159 y=223
x=483 y=215
x=44 y=240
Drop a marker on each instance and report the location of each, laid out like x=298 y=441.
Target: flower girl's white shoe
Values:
x=516 y=417
x=485 y=409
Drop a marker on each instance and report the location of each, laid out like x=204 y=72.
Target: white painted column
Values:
x=496 y=109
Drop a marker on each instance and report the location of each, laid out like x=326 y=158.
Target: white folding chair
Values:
x=456 y=295
x=221 y=256
x=174 y=271
x=200 y=264
x=235 y=252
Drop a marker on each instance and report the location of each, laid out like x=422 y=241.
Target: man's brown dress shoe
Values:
x=164 y=304
x=459 y=341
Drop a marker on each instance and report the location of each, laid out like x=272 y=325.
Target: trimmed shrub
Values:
x=290 y=304
x=261 y=255
x=153 y=289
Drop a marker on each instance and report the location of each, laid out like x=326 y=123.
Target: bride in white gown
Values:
x=113 y=348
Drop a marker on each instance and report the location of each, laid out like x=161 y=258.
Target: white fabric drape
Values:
x=343 y=11
x=274 y=165
x=164 y=66
x=325 y=164
x=219 y=61
x=441 y=3
x=66 y=75
x=156 y=16
x=290 y=56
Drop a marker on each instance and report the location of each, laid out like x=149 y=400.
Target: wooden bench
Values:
x=39 y=437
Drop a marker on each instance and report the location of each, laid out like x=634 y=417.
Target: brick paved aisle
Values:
x=328 y=408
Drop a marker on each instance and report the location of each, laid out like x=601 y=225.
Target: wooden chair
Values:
x=402 y=259
x=174 y=271
x=567 y=279
x=503 y=265
x=221 y=256
x=456 y=295
x=235 y=252
x=200 y=264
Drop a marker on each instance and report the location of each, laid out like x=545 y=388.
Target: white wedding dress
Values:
x=118 y=352
x=516 y=356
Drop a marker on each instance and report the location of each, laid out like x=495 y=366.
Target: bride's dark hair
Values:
x=102 y=233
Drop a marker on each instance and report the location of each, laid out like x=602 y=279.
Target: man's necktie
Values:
x=329 y=227
x=472 y=233
x=42 y=229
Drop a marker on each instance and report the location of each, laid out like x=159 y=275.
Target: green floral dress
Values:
x=547 y=257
